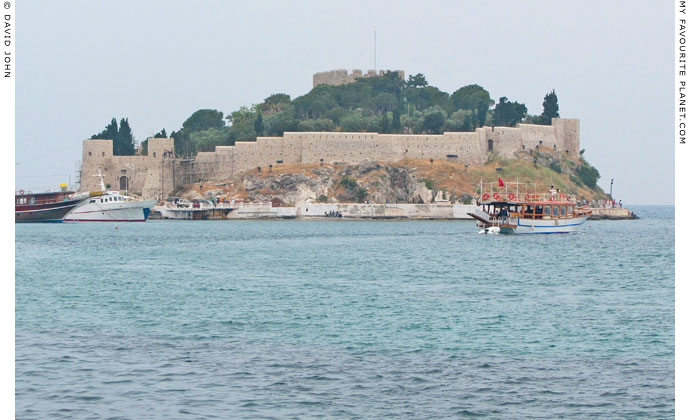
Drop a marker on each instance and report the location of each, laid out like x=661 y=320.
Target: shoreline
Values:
x=353 y=211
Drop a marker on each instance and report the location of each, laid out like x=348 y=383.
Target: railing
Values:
x=27 y=202
x=488 y=197
x=39 y=190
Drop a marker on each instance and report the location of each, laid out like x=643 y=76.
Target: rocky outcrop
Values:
x=373 y=182
x=407 y=181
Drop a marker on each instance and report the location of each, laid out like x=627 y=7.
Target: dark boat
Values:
x=44 y=206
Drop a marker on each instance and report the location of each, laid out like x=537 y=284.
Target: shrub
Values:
x=361 y=194
x=556 y=167
x=429 y=183
x=349 y=183
x=588 y=174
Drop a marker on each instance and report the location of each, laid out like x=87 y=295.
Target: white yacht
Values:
x=110 y=206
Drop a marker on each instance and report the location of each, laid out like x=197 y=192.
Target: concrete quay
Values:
x=347 y=210
x=612 y=214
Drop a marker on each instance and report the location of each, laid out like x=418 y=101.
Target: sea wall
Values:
x=387 y=211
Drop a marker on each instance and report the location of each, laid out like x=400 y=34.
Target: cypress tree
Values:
x=550 y=108
x=396 y=120
x=259 y=125
x=109 y=133
x=124 y=139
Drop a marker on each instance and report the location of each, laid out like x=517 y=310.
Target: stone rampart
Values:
x=341 y=76
x=157 y=174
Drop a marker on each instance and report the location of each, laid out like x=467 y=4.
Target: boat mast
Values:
x=101 y=181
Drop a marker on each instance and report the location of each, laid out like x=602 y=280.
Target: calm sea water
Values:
x=344 y=319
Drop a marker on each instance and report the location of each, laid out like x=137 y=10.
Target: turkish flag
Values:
x=500 y=182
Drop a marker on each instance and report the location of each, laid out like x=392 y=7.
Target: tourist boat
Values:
x=110 y=206
x=47 y=206
x=512 y=207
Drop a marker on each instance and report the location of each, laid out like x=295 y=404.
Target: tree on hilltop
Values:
x=418 y=80
x=428 y=96
x=207 y=140
x=123 y=140
x=550 y=108
x=508 y=114
x=259 y=125
x=109 y=133
x=433 y=123
x=203 y=119
x=275 y=103
x=161 y=135
x=200 y=120
x=474 y=98
x=397 y=126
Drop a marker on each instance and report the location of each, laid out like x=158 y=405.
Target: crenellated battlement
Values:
x=157 y=174
x=342 y=77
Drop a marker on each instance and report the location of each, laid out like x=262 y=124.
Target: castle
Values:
x=341 y=77
x=160 y=172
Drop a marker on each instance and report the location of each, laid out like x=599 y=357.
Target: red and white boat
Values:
x=47 y=206
x=512 y=207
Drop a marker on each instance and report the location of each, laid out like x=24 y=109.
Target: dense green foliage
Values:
x=201 y=132
x=588 y=174
x=556 y=167
x=384 y=104
x=508 y=113
x=123 y=140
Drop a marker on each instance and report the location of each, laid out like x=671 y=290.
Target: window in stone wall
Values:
x=491 y=145
x=102 y=153
x=89 y=153
x=154 y=154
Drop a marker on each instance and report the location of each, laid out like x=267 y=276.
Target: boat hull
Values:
x=531 y=226
x=44 y=213
x=121 y=211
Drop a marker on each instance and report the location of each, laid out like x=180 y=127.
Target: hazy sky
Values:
x=80 y=63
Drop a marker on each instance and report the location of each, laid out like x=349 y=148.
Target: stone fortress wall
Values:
x=157 y=175
x=341 y=76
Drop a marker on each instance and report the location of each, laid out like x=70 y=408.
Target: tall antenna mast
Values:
x=374 y=50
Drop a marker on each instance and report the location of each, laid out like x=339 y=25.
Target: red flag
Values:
x=500 y=182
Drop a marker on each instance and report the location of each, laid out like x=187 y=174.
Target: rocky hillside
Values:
x=407 y=181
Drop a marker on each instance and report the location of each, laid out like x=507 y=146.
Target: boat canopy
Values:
x=519 y=192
